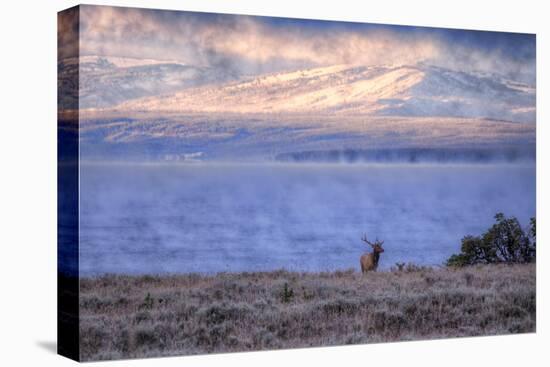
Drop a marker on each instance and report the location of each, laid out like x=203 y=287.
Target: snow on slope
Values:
x=320 y=109
x=236 y=136
x=419 y=90
x=106 y=81
x=124 y=62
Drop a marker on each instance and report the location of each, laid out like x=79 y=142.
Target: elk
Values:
x=369 y=260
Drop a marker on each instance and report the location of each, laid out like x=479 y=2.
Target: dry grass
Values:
x=146 y=316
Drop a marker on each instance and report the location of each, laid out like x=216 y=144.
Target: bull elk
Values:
x=369 y=260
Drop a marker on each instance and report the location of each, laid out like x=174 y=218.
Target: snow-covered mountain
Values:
x=154 y=110
x=419 y=90
x=105 y=81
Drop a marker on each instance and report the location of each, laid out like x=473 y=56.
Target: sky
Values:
x=252 y=45
x=322 y=94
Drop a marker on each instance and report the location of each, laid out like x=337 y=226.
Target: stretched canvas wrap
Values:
x=234 y=183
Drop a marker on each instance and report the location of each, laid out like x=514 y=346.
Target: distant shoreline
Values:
x=413 y=156
x=124 y=316
x=281 y=163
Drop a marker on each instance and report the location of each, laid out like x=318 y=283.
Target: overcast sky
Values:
x=254 y=45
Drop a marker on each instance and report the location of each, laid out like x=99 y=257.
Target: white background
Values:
x=28 y=180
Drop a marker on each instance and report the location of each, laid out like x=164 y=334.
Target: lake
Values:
x=208 y=218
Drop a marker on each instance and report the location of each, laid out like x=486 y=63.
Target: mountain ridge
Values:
x=405 y=90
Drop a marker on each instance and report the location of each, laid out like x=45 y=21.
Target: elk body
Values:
x=369 y=260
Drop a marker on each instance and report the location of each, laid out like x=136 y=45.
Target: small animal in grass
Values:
x=369 y=260
x=400 y=266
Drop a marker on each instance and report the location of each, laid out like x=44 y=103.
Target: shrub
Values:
x=287 y=294
x=147 y=303
x=413 y=268
x=504 y=242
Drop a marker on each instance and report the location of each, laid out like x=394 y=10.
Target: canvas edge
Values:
x=68 y=32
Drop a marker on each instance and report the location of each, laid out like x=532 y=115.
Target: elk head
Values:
x=369 y=261
x=376 y=245
x=400 y=266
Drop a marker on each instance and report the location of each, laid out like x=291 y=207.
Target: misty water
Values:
x=219 y=217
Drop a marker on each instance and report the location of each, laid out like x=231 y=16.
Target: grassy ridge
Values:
x=145 y=316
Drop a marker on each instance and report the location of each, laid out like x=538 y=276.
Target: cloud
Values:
x=67 y=33
x=205 y=38
x=495 y=61
x=250 y=45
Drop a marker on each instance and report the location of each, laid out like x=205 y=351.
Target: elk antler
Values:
x=376 y=242
x=364 y=239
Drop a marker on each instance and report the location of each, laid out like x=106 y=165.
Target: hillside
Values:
x=153 y=135
x=419 y=90
x=107 y=81
x=148 y=109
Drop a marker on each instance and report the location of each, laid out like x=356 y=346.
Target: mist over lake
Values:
x=212 y=218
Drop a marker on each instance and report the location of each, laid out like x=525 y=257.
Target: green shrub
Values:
x=504 y=242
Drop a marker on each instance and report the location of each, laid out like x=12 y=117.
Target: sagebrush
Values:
x=144 y=316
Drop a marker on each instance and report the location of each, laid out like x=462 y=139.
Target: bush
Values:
x=147 y=302
x=504 y=242
x=287 y=294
